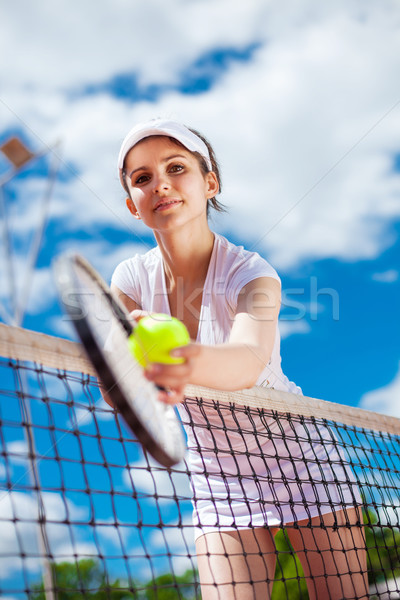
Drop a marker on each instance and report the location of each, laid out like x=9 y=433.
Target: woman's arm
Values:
x=126 y=300
x=238 y=363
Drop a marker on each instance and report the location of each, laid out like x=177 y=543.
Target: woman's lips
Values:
x=166 y=204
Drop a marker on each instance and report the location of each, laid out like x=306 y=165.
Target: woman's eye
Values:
x=141 y=179
x=176 y=168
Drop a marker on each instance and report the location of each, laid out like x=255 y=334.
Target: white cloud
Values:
x=155 y=39
x=18 y=451
x=384 y=400
x=84 y=416
x=150 y=478
x=20 y=532
x=389 y=276
x=304 y=130
x=36 y=291
x=102 y=255
x=288 y=328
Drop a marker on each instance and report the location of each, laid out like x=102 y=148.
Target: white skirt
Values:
x=250 y=471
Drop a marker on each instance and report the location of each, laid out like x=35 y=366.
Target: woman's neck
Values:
x=186 y=255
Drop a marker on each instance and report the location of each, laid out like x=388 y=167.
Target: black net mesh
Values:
x=288 y=505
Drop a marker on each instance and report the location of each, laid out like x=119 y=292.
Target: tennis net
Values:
x=85 y=513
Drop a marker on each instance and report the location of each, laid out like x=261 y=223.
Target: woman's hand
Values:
x=174 y=378
x=171 y=377
x=138 y=314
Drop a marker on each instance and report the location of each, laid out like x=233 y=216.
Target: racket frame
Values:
x=64 y=268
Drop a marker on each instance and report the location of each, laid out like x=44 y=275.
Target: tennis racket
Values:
x=103 y=326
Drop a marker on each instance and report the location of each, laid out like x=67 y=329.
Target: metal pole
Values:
x=37 y=242
x=49 y=576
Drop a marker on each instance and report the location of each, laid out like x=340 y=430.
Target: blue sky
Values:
x=301 y=103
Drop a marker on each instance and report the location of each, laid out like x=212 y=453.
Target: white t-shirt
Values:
x=142 y=278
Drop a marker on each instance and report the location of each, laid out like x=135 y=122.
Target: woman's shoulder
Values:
x=235 y=257
x=235 y=267
x=137 y=263
x=145 y=259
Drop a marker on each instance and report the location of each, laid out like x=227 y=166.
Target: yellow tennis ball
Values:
x=155 y=336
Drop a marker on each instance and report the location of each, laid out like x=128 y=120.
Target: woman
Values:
x=229 y=299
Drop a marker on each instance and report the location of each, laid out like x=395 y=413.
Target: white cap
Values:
x=163 y=127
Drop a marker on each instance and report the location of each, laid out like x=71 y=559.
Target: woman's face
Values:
x=166 y=185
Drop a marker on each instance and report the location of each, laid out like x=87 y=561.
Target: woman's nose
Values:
x=161 y=183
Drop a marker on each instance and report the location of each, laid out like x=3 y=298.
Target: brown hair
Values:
x=212 y=202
